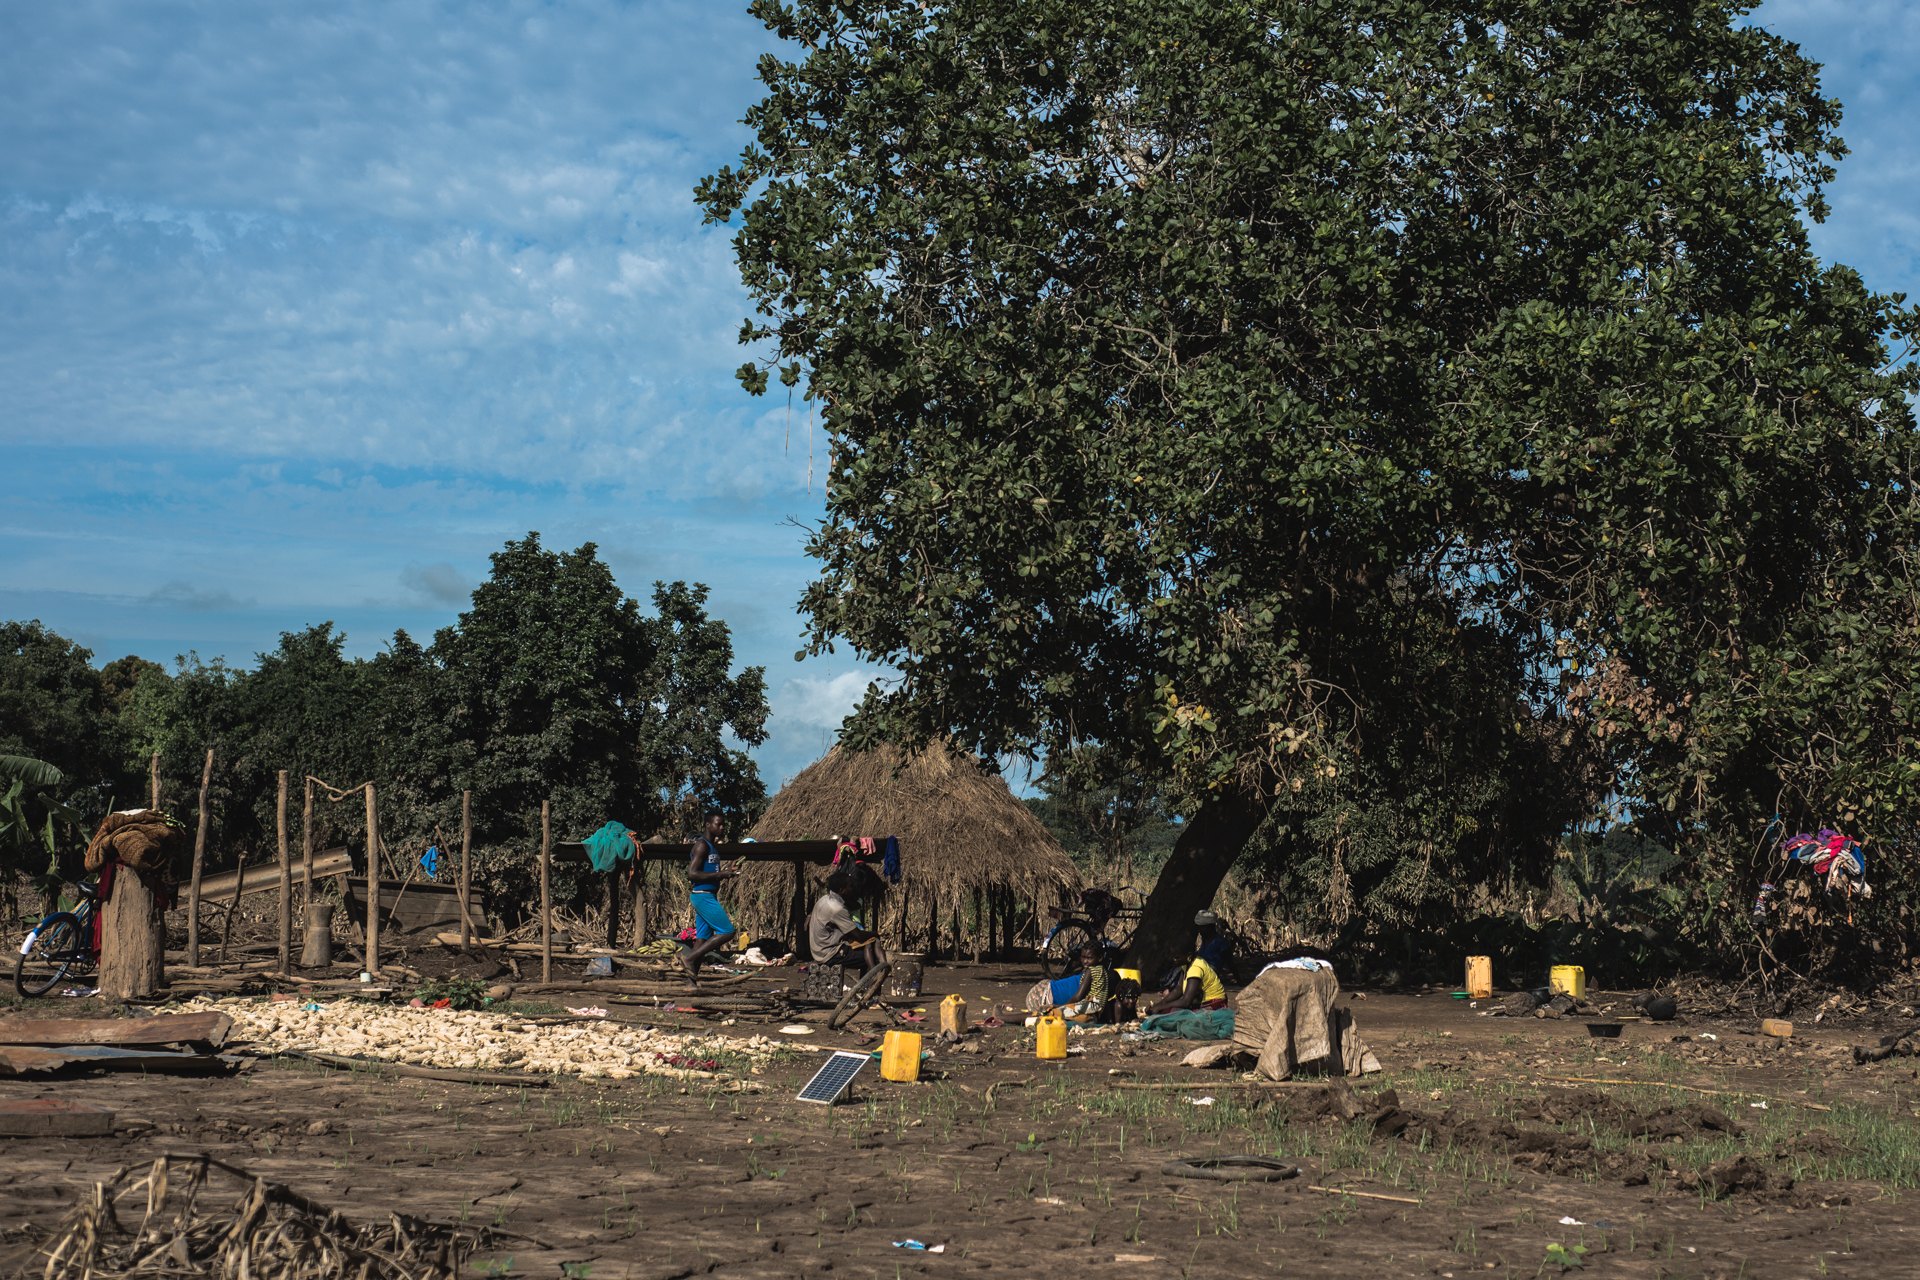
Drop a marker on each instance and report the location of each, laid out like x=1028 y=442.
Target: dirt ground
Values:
x=1486 y=1143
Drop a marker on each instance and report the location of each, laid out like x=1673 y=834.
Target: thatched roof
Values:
x=961 y=830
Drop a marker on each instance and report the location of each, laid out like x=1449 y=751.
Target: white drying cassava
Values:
x=480 y=1041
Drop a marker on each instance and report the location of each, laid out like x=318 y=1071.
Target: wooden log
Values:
x=286 y=880
x=219 y=888
x=199 y=861
x=209 y=1029
x=412 y=1072
x=373 y=882
x=466 y=868
x=133 y=939
x=546 y=891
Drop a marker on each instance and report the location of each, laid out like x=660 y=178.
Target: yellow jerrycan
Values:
x=1050 y=1037
x=953 y=1016
x=1479 y=977
x=900 y=1056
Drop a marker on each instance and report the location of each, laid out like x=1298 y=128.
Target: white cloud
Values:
x=821 y=702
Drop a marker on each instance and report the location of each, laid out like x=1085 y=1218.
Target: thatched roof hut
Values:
x=976 y=865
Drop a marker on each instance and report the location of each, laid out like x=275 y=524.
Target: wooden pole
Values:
x=286 y=881
x=153 y=780
x=466 y=871
x=199 y=860
x=546 y=892
x=373 y=884
x=306 y=848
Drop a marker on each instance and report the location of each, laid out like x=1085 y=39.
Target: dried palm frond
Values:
x=270 y=1232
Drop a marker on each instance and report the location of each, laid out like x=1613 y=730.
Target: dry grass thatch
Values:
x=974 y=860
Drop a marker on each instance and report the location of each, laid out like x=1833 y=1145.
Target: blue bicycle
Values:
x=59 y=947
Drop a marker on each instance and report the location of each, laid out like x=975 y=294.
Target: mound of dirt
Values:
x=1733 y=1177
x=1680 y=1122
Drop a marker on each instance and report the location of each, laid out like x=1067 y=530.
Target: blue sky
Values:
x=305 y=310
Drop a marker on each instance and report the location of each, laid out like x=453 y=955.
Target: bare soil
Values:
x=1463 y=1158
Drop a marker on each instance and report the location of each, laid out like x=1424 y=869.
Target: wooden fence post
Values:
x=286 y=880
x=466 y=875
x=546 y=892
x=199 y=860
x=306 y=848
x=373 y=884
x=153 y=780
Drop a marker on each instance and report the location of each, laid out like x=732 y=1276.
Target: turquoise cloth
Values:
x=1193 y=1024
x=608 y=845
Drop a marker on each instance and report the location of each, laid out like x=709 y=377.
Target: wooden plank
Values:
x=263 y=877
x=819 y=852
x=53 y=1118
x=17 y=1060
x=181 y=1028
x=414 y=906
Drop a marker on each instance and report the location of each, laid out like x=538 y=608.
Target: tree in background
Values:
x=553 y=685
x=1116 y=822
x=1165 y=346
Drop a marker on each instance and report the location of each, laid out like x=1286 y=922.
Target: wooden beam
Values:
x=199 y=860
x=546 y=890
x=373 y=879
x=286 y=880
x=183 y=1028
x=219 y=888
x=818 y=852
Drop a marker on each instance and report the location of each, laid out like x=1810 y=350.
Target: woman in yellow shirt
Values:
x=1202 y=989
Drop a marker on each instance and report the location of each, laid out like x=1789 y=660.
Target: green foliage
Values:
x=554 y=685
x=1566 y=1256
x=465 y=993
x=1166 y=346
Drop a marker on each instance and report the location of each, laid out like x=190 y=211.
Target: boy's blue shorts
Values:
x=710 y=918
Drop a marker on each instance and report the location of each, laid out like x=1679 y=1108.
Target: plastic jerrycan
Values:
x=953 y=1016
x=1479 y=976
x=1568 y=978
x=900 y=1056
x=1050 y=1037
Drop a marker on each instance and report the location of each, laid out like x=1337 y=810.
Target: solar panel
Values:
x=834 y=1078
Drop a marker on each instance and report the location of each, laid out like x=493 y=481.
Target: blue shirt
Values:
x=712 y=865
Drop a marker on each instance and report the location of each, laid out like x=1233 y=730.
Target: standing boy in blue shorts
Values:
x=712 y=928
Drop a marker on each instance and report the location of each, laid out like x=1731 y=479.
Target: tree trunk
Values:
x=1200 y=860
x=133 y=939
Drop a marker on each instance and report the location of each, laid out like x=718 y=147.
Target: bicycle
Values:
x=1060 y=950
x=64 y=941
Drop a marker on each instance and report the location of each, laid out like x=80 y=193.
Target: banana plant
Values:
x=22 y=829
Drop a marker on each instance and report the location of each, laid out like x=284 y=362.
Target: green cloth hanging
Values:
x=608 y=845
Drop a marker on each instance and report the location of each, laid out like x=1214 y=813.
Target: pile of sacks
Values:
x=481 y=1041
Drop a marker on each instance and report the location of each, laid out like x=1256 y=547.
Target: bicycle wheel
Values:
x=55 y=948
x=1060 y=958
x=856 y=999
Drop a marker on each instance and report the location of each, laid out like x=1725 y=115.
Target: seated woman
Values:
x=1201 y=989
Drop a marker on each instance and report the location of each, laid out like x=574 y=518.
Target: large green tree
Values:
x=1159 y=340
x=556 y=686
